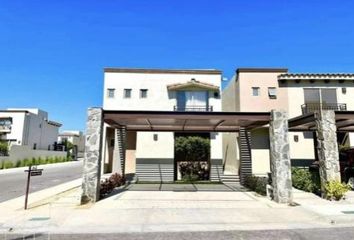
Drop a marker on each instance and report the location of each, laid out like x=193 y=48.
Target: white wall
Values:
x=21 y=152
x=159 y=98
x=17 y=128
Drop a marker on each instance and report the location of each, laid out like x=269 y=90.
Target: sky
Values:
x=52 y=53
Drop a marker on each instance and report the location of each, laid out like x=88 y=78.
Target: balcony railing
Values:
x=193 y=109
x=312 y=107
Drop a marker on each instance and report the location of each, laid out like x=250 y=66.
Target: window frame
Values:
x=143 y=90
x=258 y=89
x=125 y=91
x=272 y=96
x=111 y=90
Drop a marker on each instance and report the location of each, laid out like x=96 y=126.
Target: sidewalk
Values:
x=332 y=211
x=166 y=211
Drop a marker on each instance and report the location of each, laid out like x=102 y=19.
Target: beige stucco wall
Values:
x=261 y=103
x=260 y=151
x=296 y=94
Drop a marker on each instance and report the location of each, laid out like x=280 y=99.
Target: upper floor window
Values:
x=272 y=93
x=143 y=93
x=110 y=92
x=255 y=91
x=127 y=93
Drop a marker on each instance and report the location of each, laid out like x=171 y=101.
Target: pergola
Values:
x=344 y=121
x=174 y=121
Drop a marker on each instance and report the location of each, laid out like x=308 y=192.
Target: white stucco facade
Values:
x=162 y=89
x=28 y=127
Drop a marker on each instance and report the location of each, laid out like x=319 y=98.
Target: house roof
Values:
x=151 y=70
x=238 y=70
x=56 y=124
x=316 y=76
x=192 y=84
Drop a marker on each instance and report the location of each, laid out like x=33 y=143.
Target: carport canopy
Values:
x=344 y=122
x=174 y=121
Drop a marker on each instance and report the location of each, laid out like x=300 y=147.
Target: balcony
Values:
x=5 y=129
x=312 y=107
x=193 y=109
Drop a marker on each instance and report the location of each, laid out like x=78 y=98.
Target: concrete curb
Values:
x=47 y=166
x=40 y=197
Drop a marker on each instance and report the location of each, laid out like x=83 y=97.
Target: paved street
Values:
x=293 y=234
x=13 y=184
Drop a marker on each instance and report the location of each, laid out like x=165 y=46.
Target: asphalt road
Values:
x=293 y=234
x=13 y=184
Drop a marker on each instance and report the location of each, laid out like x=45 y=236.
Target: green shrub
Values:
x=335 y=190
x=43 y=161
x=8 y=164
x=1 y=164
x=192 y=148
x=257 y=184
x=305 y=180
x=4 y=148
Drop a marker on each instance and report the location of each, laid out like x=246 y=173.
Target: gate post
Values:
x=92 y=158
x=327 y=146
x=280 y=157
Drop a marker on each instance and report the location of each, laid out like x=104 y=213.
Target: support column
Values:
x=280 y=157
x=327 y=146
x=119 y=151
x=93 y=154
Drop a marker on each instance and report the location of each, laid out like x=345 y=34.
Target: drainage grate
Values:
x=348 y=212
x=39 y=219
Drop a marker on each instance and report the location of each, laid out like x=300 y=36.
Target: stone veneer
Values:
x=92 y=157
x=280 y=157
x=327 y=146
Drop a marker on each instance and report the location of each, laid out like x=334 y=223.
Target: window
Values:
x=272 y=93
x=255 y=91
x=35 y=146
x=344 y=90
x=143 y=93
x=296 y=138
x=156 y=137
x=110 y=92
x=127 y=93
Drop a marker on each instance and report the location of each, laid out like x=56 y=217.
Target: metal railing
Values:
x=193 y=109
x=312 y=107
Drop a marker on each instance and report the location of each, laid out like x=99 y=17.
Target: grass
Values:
x=33 y=161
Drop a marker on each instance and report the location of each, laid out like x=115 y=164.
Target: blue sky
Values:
x=52 y=53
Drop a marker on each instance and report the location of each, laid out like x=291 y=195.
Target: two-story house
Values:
x=150 y=155
x=264 y=89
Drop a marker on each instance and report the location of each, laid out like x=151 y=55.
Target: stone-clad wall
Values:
x=280 y=157
x=92 y=158
x=327 y=146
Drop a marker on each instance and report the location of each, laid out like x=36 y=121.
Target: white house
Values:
x=77 y=138
x=28 y=127
x=150 y=155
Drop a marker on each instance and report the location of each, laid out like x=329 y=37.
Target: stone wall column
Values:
x=327 y=146
x=92 y=157
x=280 y=157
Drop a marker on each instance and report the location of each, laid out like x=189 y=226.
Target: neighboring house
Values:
x=264 y=89
x=28 y=127
x=150 y=155
x=76 y=138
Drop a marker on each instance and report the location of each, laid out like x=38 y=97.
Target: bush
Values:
x=192 y=148
x=1 y=164
x=109 y=184
x=305 y=180
x=257 y=184
x=194 y=171
x=4 y=149
x=335 y=190
x=8 y=164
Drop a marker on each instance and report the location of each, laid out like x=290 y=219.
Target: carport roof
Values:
x=173 y=121
x=344 y=122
